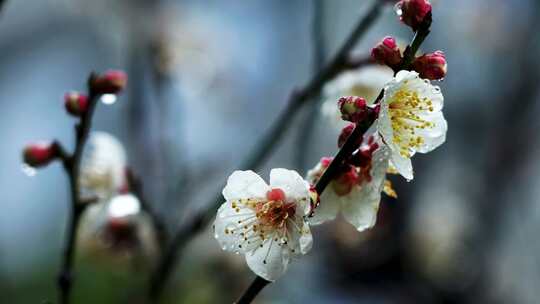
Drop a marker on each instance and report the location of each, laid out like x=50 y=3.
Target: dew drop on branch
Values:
x=28 y=170
x=108 y=99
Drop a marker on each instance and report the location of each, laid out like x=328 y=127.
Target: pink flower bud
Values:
x=39 y=154
x=76 y=103
x=326 y=161
x=353 y=109
x=413 y=12
x=431 y=66
x=111 y=82
x=345 y=133
x=387 y=52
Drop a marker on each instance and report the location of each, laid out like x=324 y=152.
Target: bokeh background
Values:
x=207 y=78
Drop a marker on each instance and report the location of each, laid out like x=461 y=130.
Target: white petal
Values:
x=433 y=137
x=384 y=124
x=299 y=235
x=293 y=185
x=245 y=184
x=269 y=261
x=360 y=207
x=328 y=208
x=402 y=164
x=230 y=233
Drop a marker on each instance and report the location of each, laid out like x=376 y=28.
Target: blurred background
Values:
x=206 y=79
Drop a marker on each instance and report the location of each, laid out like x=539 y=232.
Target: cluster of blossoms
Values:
x=116 y=216
x=270 y=223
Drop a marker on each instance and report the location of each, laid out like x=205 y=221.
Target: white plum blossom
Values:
x=366 y=82
x=103 y=166
x=356 y=192
x=411 y=119
x=119 y=229
x=265 y=222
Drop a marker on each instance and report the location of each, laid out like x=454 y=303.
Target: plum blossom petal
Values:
x=266 y=223
x=245 y=184
x=411 y=119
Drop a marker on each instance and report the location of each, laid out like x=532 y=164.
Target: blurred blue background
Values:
x=206 y=79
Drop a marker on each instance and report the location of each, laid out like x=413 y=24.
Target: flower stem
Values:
x=197 y=221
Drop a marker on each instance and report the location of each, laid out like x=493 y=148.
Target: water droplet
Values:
x=398 y=10
x=28 y=170
x=108 y=99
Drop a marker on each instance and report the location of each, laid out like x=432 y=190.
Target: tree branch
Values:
x=72 y=166
x=263 y=149
x=349 y=146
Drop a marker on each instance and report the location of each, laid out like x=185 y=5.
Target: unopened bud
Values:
x=387 y=52
x=431 y=66
x=76 y=103
x=345 y=133
x=353 y=109
x=364 y=155
x=413 y=12
x=110 y=82
x=40 y=154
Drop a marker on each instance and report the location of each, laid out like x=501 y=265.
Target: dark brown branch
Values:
x=264 y=148
x=253 y=290
x=72 y=166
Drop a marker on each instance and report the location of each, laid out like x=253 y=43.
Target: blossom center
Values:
x=276 y=210
x=404 y=110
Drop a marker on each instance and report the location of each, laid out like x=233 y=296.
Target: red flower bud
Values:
x=111 y=82
x=76 y=103
x=431 y=66
x=39 y=154
x=353 y=109
x=345 y=133
x=387 y=52
x=413 y=12
x=326 y=161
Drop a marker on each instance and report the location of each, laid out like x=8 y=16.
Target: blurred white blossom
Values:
x=265 y=222
x=103 y=166
x=118 y=230
x=366 y=82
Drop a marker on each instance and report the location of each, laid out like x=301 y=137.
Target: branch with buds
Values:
x=355 y=110
x=41 y=154
x=341 y=62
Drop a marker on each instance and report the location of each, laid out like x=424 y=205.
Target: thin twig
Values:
x=256 y=286
x=136 y=188
x=263 y=149
x=72 y=166
x=349 y=146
